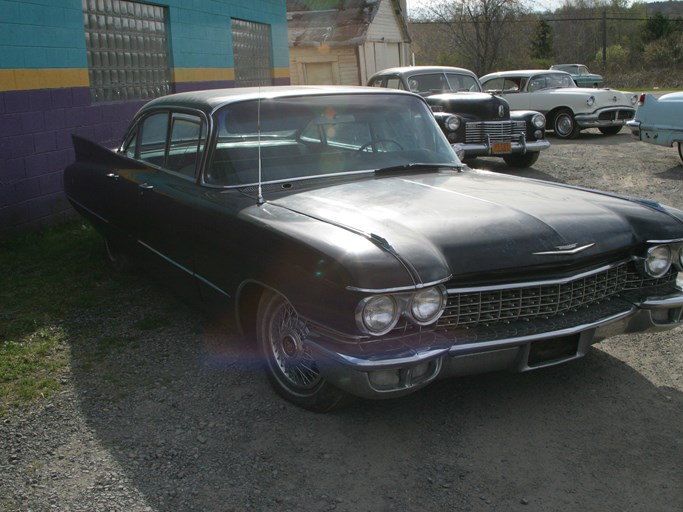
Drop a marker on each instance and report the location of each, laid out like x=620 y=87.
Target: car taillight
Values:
x=641 y=99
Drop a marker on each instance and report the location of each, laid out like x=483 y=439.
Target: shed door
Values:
x=319 y=73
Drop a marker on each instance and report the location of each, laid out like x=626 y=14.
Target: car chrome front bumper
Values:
x=486 y=148
x=593 y=120
x=386 y=374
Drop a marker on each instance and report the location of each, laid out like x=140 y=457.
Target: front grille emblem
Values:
x=501 y=111
x=565 y=249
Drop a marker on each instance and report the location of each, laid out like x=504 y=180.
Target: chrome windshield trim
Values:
x=416 y=286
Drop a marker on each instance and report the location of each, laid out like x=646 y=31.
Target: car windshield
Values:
x=309 y=136
x=550 y=81
x=435 y=83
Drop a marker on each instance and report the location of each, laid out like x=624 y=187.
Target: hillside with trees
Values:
x=632 y=45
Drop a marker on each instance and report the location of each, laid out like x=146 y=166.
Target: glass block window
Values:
x=127 y=49
x=251 y=44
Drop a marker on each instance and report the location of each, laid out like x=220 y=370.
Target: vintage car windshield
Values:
x=310 y=136
x=550 y=81
x=435 y=83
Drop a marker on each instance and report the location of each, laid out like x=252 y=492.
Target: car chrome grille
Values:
x=616 y=115
x=497 y=131
x=488 y=307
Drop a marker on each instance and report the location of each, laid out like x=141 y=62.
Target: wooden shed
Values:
x=345 y=41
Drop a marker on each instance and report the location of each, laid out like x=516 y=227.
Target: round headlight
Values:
x=590 y=101
x=680 y=257
x=427 y=305
x=658 y=260
x=452 y=123
x=538 y=120
x=379 y=314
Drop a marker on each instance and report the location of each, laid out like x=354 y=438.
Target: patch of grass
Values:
x=46 y=277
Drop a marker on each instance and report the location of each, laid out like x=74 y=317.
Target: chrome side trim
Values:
x=183 y=268
x=81 y=205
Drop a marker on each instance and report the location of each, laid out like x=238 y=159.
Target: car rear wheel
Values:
x=521 y=161
x=289 y=365
x=610 y=130
x=680 y=150
x=564 y=124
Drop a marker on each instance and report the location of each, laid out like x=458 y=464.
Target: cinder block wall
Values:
x=45 y=90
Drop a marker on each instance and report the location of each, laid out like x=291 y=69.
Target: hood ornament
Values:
x=565 y=250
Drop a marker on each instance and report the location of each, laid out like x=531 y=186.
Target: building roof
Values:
x=331 y=22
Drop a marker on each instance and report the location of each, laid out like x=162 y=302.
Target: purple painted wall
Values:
x=35 y=147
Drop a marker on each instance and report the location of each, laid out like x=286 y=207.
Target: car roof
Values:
x=413 y=70
x=209 y=100
x=522 y=72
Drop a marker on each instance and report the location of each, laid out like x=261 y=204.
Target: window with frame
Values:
x=127 y=49
x=173 y=141
x=251 y=47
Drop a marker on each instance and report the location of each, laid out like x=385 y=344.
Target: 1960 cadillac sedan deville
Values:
x=358 y=254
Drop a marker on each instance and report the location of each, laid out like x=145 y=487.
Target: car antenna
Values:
x=259 y=199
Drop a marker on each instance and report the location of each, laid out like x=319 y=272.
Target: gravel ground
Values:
x=174 y=418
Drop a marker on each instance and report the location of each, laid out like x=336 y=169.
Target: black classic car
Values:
x=356 y=251
x=475 y=122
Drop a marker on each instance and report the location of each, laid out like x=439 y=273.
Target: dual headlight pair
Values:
x=452 y=123
x=379 y=314
x=659 y=258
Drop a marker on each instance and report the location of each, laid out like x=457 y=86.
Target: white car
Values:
x=659 y=121
x=568 y=109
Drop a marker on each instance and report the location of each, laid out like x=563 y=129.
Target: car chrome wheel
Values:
x=564 y=124
x=289 y=364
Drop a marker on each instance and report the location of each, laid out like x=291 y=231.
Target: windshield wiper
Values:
x=418 y=167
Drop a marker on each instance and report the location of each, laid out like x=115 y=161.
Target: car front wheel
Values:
x=680 y=150
x=564 y=124
x=520 y=161
x=289 y=365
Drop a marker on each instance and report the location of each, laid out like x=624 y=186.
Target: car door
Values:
x=173 y=144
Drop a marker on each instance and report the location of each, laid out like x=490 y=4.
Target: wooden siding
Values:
x=386 y=25
x=344 y=63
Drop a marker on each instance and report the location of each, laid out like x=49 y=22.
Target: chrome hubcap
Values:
x=290 y=354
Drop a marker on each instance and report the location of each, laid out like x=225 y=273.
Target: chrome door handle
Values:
x=146 y=186
x=113 y=176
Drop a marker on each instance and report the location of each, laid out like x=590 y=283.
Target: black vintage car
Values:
x=475 y=122
x=356 y=251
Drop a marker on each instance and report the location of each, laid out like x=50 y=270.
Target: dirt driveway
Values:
x=175 y=418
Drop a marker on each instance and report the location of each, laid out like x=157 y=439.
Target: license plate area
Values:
x=501 y=147
x=556 y=349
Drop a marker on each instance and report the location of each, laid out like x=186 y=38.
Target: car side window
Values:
x=186 y=144
x=172 y=141
x=495 y=85
x=394 y=82
x=152 y=139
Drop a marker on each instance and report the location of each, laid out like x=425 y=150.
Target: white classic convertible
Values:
x=568 y=109
x=659 y=121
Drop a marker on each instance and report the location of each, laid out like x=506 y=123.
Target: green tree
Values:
x=542 y=41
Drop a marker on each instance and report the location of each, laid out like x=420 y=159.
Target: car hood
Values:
x=479 y=223
x=475 y=105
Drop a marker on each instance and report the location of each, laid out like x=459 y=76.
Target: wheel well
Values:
x=551 y=115
x=246 y=306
